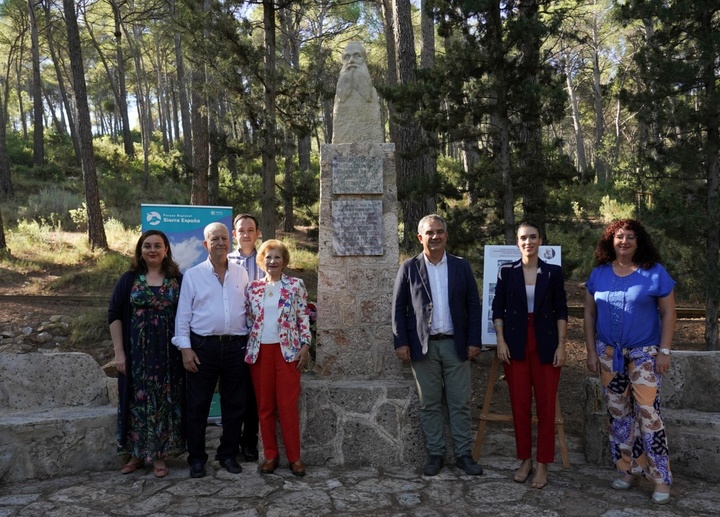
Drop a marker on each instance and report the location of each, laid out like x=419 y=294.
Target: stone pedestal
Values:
x=359 y=407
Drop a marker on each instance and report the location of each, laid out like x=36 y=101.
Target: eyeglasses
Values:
x=622 y=237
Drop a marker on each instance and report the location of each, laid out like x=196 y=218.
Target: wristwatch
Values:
x=665 y=351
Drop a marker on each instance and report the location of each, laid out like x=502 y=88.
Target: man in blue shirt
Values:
x=246 y=233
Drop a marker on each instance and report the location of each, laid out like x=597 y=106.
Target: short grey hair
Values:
x=212 y=227
x=428 y=218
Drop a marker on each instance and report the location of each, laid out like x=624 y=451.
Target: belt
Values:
x=223 y=338
x=438 y=337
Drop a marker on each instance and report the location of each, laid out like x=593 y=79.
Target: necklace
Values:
x=624 y=265
x=270 y=288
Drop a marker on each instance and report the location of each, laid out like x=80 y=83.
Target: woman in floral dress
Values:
x=151 y=378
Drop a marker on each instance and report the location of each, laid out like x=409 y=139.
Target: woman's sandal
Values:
x=536 y=484
x=521 y=479
x=132 y=465
x=160 y=471
x=626 y=482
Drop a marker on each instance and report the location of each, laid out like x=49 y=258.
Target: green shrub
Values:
x=90 y=327
x=51 y=205
x=99 y=276
x=611 y=209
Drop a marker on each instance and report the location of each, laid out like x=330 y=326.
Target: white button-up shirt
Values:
x=209 y=308
x=439 y=287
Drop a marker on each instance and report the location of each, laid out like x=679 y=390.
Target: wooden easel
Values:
x=486 y=416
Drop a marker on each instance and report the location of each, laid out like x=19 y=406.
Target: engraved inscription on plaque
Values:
x=357 y=175
x=357 y=227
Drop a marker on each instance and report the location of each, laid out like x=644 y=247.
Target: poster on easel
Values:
x=496 y=257
x=184 y=225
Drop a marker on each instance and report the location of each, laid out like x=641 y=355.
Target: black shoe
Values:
x=250 y=453
x=434 y=465
x=197 y=470
x=231 y=465
x=468 y=465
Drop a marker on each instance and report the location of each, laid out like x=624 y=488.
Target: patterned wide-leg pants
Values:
x=638 y=443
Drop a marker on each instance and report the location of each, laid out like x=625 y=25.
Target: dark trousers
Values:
x=250 y=424
x=221 y=358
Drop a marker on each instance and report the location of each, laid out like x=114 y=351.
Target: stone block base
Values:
x=360 y=422
x=693 y=437
x=57 y=442
x=55 y=416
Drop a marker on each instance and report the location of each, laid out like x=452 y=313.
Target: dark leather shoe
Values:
x=297 y=468
x=197 y=470
x=231 y=465
x=468 y=465
x=434 y=465
x=269 y=466
x=250 y=453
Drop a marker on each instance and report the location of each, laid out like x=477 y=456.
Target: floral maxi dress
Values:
x=156 y=377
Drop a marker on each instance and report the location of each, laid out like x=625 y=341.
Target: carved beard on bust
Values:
x=355 y=79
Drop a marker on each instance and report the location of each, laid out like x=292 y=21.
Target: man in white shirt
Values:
x=211 y=333
x=436 y=329
x=246 y=233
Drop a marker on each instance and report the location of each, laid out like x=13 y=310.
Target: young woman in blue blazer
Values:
x=530 y=313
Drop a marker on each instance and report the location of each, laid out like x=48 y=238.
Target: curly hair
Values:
x=646 y=254
x=169 y=267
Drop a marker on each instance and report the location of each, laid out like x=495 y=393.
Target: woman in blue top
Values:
x=629 y=325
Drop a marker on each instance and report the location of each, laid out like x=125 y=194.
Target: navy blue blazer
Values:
x=412 y=312
x=510 y=305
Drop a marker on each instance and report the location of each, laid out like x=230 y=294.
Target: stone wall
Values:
x=690 y=403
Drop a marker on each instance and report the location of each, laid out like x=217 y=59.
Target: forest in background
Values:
x=568 y=113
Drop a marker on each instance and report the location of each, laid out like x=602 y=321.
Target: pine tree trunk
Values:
x=183 y=99
x=581 y=162
x=122 y=87
x=3 y=243
x=712 y=112
x=600 y=166
x=392 y=73
x=533 y=163
x=38 y=126
x=268 y=222
x=200 y=141
x=415 y=193
x=6 y=186
x=500 y=120
x=61 y=85
x=96 y=230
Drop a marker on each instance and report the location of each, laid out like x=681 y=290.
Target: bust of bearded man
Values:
x=356 y=113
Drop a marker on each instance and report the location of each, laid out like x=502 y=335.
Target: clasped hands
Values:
x=503 y=353
x=403 y=353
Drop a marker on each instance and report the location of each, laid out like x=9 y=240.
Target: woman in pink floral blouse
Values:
x=278 y=349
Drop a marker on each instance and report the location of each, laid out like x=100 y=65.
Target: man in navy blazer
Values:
x=437 y=329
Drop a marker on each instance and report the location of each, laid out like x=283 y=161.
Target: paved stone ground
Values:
x=582 y=490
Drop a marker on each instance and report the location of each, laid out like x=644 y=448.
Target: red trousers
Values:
x=523 y=378
x=277 y=390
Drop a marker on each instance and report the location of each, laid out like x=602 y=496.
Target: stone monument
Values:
x=356 y=112
x=359 y=406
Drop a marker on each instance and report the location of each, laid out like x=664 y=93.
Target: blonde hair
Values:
x=269 y=245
